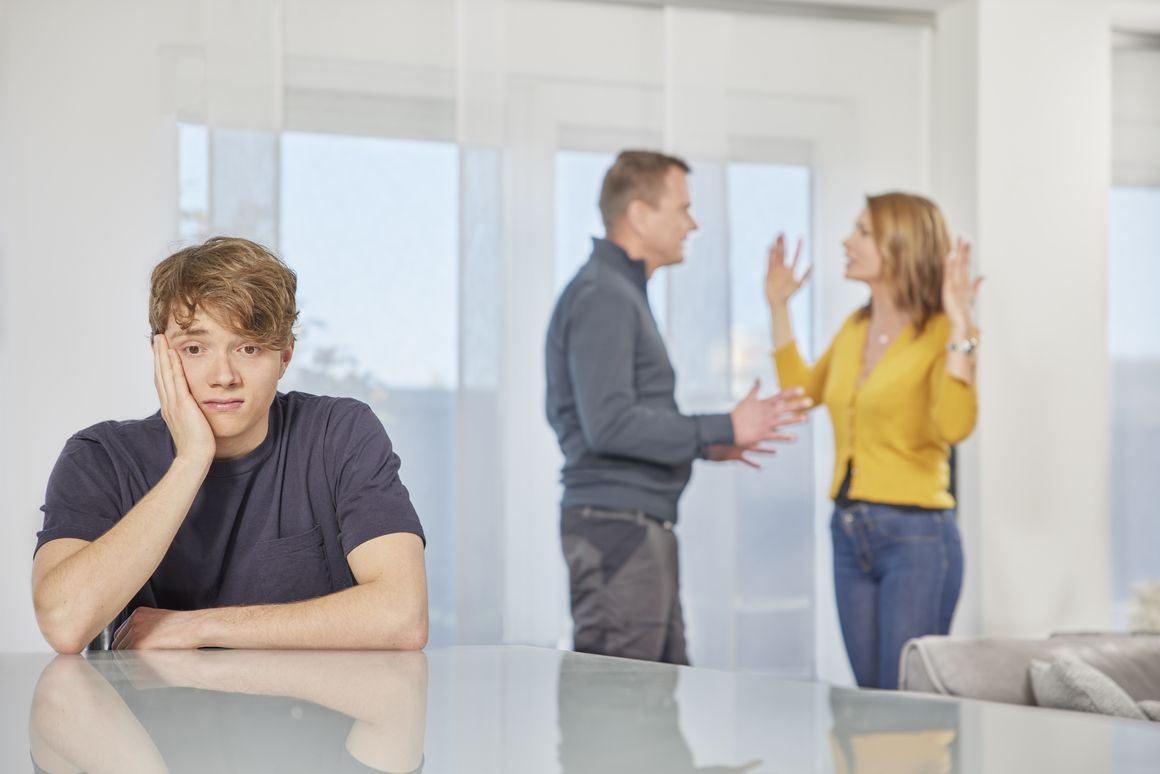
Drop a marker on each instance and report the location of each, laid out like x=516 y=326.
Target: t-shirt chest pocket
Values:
x=291 y=568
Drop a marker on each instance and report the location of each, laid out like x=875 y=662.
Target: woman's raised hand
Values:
x=958 y=290
x=781 y=280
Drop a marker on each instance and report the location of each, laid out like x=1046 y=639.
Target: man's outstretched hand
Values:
x=757 y=421
x=724 y=452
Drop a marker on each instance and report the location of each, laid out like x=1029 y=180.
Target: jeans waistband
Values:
x=847 y=506
x=637 y=517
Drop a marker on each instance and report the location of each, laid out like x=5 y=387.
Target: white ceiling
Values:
x=1120 y=7
x=892 y=5
x=920 y=11
x=1132 y=15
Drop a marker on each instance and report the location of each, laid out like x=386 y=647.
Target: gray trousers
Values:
x=623 y=576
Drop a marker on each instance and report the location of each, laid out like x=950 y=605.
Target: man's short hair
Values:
x=240 y=282
x=636 y=174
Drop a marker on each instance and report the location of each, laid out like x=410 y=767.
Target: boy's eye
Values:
x=193 y=349
x=251 y=349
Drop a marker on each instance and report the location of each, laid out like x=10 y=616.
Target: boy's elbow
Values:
x=61 y=627
x=417 y=636
x=406 y=627
x=68 y=647
x=413 y=634
x=65 y=640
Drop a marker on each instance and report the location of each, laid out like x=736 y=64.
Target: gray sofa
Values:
x=1001 y=669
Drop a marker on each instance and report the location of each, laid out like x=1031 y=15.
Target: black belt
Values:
x=637 y=517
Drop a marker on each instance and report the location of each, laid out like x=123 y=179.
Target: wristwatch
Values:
x=966 y=346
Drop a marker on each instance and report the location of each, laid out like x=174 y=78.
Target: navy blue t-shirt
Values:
x=273 y=526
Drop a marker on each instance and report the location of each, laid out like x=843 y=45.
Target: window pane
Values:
x=775 y=505
x=764 y=200
x=193 y=182
x=371 y=227
x=1134 y=343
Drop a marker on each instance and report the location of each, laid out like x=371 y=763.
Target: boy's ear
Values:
x=287 y=354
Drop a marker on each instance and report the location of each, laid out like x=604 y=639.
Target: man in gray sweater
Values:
x=628 y=450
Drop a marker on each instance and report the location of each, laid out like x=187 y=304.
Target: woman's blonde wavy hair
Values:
x=240 y=282
x=913 y=241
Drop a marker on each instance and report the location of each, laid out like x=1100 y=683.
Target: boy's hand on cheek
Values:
x=192 y=434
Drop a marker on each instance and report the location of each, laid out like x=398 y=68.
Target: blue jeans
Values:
x=897 y=575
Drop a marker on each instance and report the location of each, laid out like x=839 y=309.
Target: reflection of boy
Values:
x=283 y=711
x=237 y=516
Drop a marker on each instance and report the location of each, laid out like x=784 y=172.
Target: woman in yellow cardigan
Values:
x=899 y=382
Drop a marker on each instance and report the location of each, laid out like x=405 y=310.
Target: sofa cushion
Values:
x=1131 y=660
x=1151 y=708
x=1068 y=682
x=996 y=668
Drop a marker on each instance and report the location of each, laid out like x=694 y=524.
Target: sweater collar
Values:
x=613 y=255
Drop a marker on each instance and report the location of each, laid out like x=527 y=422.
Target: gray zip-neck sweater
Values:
x=610 y=394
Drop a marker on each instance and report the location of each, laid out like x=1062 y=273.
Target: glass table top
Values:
x=511 y=709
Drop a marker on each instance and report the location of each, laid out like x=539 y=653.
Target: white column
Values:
x=954 y=185
x=1028 y=162
x=88 y=151
x=479 y=463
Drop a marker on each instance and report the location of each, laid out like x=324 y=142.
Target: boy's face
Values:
x=232 y=378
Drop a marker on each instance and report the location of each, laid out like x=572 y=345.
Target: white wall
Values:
x=1043 y=198
x=954 y=170
x=1039 y=105
x=87 y=205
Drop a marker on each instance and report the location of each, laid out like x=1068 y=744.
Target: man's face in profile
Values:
x=232 y=377
x=669 y=221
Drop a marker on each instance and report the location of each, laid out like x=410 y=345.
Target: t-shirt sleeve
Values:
x=81 y=500
x=370 y=498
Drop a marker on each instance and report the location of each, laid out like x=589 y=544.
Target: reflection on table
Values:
x=211 y=711
x=914 y=738
x=617 y=719
x=514 y=710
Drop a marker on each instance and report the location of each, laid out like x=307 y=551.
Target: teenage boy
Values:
x=236 y=516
